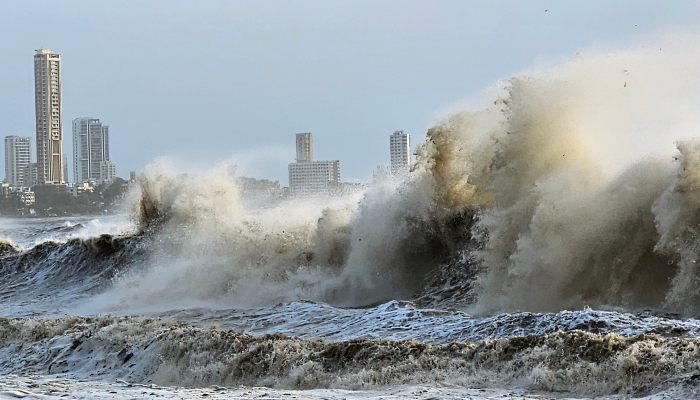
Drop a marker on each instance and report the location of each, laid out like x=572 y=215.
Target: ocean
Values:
x=536 y=250
x=95 y=307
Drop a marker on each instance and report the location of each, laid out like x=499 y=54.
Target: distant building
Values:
x=311 y=177
x=108 y=171
x=314 y=177
x=90 y=150
x=49 y=126
x=132 y=176
x=21 y=196
x=30 y=173
x=65 y=168
x=380 y=173
x=17 y=158
x=76 y=189
x=25 y=196
x=351 y=187
x=400 y=151
x=305 y=147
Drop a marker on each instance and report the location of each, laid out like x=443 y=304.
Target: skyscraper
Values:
x=49 y=128
x=400 y=151
x=90 y=150
x=17 y=158
x=305 y=147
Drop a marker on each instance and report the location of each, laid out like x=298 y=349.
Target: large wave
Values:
x=571 y=224
x=564 y=191
x=356 y=249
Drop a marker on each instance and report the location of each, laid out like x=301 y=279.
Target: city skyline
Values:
x=419 y=63
x=90 y=143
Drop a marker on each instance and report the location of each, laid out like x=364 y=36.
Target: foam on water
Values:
x=167 y=353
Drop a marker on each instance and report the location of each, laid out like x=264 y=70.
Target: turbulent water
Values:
x=542 y=246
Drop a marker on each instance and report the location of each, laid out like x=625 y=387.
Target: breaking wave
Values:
x=575 y=186
x=161 y=352
x=52 y=275
x=543 y=200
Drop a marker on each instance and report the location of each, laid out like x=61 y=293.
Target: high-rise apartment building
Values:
x=312 y=177
x=49 y=128
x=400 y=151
x=90 y=150
x=17 y=158
x=305 y=147
x=108 y=171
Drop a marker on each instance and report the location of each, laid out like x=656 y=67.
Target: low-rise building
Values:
x=19 y=194
x=26 y=196
x=76 y=189
x=314 y=177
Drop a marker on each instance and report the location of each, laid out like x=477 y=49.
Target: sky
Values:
x=203 y=82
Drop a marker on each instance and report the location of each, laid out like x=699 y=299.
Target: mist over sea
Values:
x=544 y=245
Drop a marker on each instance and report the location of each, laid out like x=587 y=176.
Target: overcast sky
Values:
x=207 y=81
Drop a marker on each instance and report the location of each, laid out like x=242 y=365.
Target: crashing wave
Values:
x=162 y=352
x=519 y=206
x=542 y=201
x=51 y=275
x=7 y=247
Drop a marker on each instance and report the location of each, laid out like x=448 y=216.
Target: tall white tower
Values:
x=400 y=150
x=49 y=128
x=90 y=149
x=17 y=159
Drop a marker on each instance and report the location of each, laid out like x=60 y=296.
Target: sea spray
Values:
x=542 y=201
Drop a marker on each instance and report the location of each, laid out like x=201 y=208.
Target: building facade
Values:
x=400 y=152
x=307 y=176
x=305 y=147
x=108 y=171
x=30 y=173
x=90 y=150
x=49 y=128
x=17 y=159
x=314 y=177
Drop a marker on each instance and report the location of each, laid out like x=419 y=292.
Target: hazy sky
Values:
x=205 y=81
